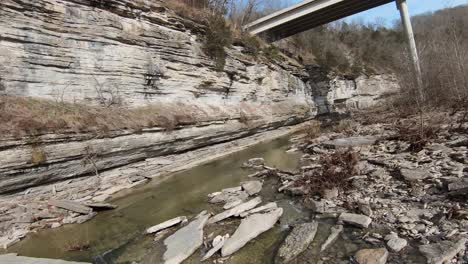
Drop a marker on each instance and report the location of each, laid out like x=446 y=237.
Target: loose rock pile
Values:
x=404 y=200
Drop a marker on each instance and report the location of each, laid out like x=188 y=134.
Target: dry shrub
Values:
x=335 y=172
x=417 y=135
x=21 y=116
x=75 y=245
x=312 y=130
x=193 y=10
x=345 y=126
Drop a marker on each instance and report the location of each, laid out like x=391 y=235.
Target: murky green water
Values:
x=117 y=236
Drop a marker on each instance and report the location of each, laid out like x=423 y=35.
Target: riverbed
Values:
x=117 y=236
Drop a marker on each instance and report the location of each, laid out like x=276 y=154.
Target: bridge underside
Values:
x=307 y=15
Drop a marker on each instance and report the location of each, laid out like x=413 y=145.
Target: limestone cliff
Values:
x=138 y=51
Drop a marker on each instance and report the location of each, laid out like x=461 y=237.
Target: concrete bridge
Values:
x=312 y=13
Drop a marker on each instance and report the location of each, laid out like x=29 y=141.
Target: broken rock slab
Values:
x=236 y=211
x=185 y=241
x=71 y=206
x=355 y=219
x=218 y=243
x=15 y=259
x=412 y=175
x=252 y=187
x=6 y=242
x=297 y=241
x=264 y=208
x=350 y=142
x=445 y=251
x=101 y=206
x=250 y=228
x=371 y=256
x=166 y=224
x=335 y=232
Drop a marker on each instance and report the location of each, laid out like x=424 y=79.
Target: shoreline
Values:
x=112 y=184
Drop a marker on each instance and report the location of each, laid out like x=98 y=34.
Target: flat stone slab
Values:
x=335 y=232
x=355 y=219
x=250 y=228
x=71 y=206
x=297 y=241
x=14 y=259
x=442 y=252
x=185 y=241
x=412 y=175
x=101 y=206
x=350 y=142
x=263 y=208
x=236 y=211
x=372 y=256
x=166 y=224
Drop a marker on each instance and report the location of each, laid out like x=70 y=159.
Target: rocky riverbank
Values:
x=400 y=204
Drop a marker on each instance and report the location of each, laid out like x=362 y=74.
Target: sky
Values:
x=389 y=12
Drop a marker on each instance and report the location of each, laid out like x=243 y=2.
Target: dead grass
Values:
x=417 y=135
x=312 y=130
x=187 y=10
x=21 y=116
x=335 y=172
x=76 y=245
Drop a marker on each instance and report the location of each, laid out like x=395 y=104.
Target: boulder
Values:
x=396 y=244
x=297 y=241
x=250 y=228
x=252 y=187
x=182 y=244
x=355 y=219
x=371 y=256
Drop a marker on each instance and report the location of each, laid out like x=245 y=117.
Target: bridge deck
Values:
x=308 y=14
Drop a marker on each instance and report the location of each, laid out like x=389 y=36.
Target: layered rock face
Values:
x=137 y=52
x=338 y=94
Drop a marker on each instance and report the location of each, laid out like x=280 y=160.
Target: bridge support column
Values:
x=405 y=19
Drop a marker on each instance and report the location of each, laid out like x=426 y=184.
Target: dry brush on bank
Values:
x=28 y=116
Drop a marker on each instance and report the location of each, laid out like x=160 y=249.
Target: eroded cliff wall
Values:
x=138 y=51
